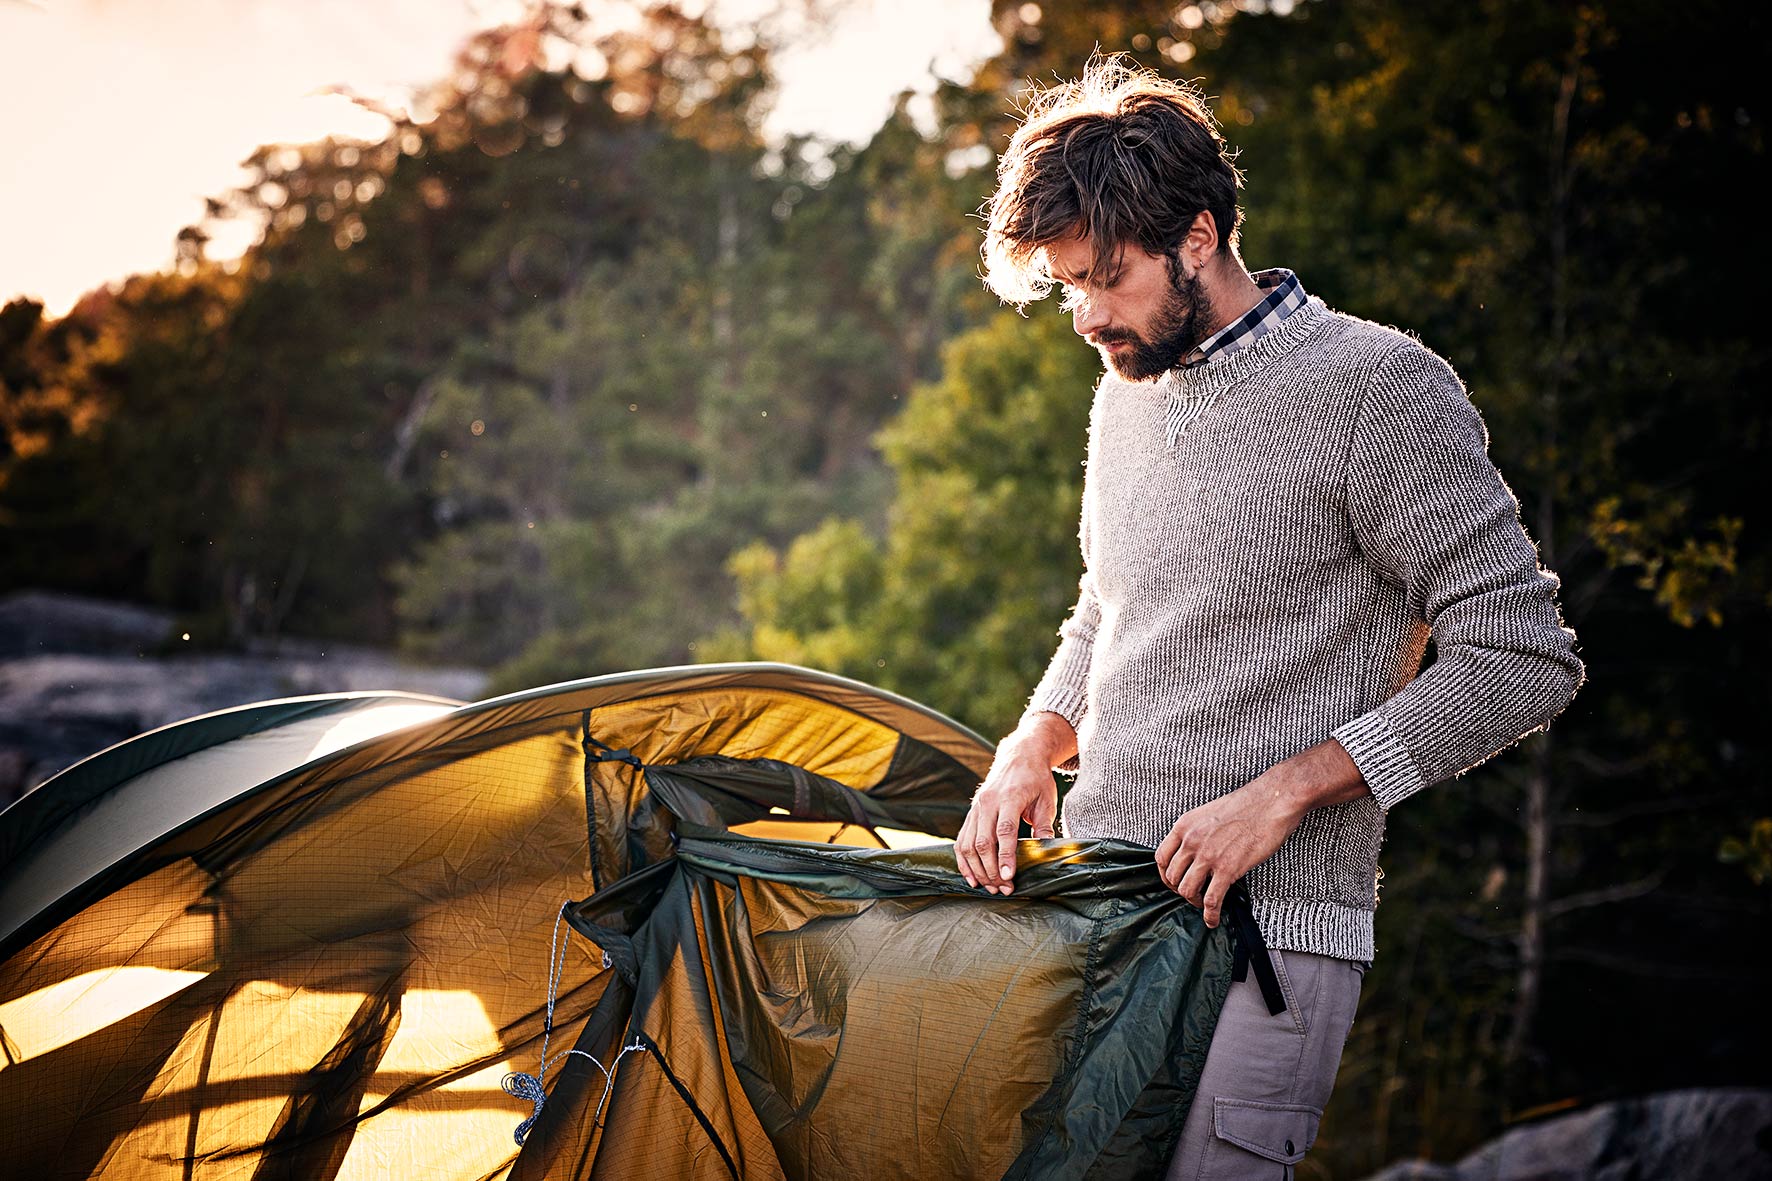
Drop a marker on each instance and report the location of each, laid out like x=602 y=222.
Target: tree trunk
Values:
x=1537 y=895
x=1537 y=821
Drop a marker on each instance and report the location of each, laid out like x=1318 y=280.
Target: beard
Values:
x=1182 y=322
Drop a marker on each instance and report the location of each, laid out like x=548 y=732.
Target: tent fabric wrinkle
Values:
x=687 y=922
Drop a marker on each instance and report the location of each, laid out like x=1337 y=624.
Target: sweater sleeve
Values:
x=1432 y=515
x=1064 y=690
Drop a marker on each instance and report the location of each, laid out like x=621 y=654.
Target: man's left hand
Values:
x=1211 y=847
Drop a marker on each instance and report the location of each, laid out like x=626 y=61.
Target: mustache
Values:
x=1115 y=338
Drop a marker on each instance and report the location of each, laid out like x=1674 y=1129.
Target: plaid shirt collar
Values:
x=1285 y=295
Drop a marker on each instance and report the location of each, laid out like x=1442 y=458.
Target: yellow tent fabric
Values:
x=329 y=972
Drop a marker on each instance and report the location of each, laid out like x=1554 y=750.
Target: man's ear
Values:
x=1201 y=240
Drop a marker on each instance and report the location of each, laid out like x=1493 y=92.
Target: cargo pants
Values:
x=1268 y=1076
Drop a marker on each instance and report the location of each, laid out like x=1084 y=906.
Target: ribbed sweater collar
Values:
x=1208 y=381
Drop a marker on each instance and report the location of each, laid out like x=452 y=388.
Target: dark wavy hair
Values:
x=1123 y=155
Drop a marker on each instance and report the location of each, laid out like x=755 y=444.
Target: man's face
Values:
x=1146 y=320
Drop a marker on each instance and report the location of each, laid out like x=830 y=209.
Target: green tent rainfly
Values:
x=690 y=922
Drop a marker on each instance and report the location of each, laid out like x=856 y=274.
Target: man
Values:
x=1281 y=505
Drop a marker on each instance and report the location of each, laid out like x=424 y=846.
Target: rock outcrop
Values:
x=1703 y=1134
x=80 y=674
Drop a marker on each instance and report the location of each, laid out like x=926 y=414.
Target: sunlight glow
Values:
x=139 y=112
x=842 y=82
x=372 y=723
x=466 y=1123
x=899 y=838
x=441 y=1025
x=71 y=1009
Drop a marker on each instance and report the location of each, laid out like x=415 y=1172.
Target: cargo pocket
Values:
x=1274 y=1131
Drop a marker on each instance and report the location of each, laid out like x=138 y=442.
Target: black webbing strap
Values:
x=605 y=753
x=1252 y=948
x=804 y=788
x=802 y=792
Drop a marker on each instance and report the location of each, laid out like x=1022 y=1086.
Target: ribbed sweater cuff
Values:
x=1069 y=704
x=1064 y=690
x=1385 y=763
x=1063 y=700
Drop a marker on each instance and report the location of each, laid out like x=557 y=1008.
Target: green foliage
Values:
x=692 y=392
x=959 y=605
x=540 y=362
x=1753 y=852
x=1689 y=576
x=814 y=605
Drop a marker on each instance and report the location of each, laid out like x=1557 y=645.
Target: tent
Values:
x=700 y=921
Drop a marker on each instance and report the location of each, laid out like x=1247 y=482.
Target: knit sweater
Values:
x=1273 y=578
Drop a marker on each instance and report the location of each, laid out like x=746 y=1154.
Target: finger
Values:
x=962 y=849
x=1187 y=856
x=1166 y=853
x=968 y=846
x=1172 y=869
x=1008 y=834
x=1040 y=821
x=1193 y=883
x=975 y=865
x=1215 y=899
x=984 y=847
x=1173 y=858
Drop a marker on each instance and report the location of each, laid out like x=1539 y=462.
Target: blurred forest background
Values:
x=580 y=374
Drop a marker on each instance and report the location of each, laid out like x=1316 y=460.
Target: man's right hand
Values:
x=1019 y=787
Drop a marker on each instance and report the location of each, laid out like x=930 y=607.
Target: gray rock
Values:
x=78 y=675
x=34 y=623
x=1703 y=1134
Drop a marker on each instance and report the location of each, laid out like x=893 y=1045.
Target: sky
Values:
x=123 y=115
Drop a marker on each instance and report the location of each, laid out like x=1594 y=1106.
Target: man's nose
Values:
x=1087 y=318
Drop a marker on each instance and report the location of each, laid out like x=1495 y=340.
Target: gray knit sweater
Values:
x=1273 y=580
